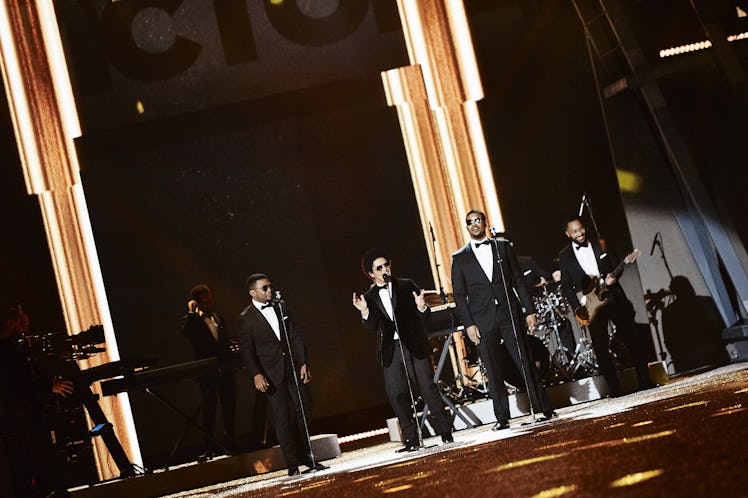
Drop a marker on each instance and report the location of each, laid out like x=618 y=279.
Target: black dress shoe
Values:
x=500 y=425
x=447 y=438
x=409 y=446
x=315 y=465
x=550 y=414
x=293 y=471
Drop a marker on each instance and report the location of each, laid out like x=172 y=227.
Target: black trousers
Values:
x=490 y=352
x=621 y=313
x=421 y=378
x=221 y=387
x=289 y=422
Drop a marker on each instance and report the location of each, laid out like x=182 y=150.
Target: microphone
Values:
x=387 y=277
x=493 y=231
x=654 y=243
x=277 y=296
x=581 y=206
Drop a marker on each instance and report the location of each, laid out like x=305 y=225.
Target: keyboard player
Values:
x=207 y=332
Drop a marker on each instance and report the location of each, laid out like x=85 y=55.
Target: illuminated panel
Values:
x=435 y=98
x=45 y=121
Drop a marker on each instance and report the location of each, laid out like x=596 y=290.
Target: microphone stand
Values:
x=438 y=275
x=662 y=255
x=514 y=328
x=586 y=201
x=388 y=280
x=279 y=304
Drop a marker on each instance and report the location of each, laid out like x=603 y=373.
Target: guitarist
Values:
x=581 y=261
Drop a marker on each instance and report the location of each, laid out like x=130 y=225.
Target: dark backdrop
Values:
x=225 y=138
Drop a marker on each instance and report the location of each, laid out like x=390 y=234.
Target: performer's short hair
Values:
x=573 y=218
x=369 y=256
x=198 y=289
x=475 y=211
x=254 y=278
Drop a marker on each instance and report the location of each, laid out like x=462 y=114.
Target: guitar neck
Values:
x=618 y=270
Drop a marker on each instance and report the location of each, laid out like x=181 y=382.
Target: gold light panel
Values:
x=436 y=99
x=45 y=122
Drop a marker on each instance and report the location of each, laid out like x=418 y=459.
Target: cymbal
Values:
x=543 y=283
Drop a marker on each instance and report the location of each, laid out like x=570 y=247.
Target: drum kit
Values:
x=559 y=355
x=570 y=357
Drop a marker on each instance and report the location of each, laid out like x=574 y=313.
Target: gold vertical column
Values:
x=405 y=90
x=45 y=122
x=459 y=175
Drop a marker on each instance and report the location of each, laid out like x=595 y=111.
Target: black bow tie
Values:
x=268 y=305
x=385 y=286
x=478 y=244
x=579 y=246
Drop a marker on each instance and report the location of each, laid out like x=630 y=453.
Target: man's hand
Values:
x=192 y=306
x=360 y=304
x=305 y=374
x=610 y=279
x=420 y=298
x=532 y=321
x=261 y=383
x=62 y=387
x=474 y=334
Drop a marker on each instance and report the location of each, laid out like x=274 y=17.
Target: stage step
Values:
x=560 y=395
x=196 y=475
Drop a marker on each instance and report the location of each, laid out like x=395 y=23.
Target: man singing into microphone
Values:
x=488 y=283
x=273 y=351
x=395 y=309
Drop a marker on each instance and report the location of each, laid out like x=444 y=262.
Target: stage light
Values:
x=628 y=181
x=695 y=47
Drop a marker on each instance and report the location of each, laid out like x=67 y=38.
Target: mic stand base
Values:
x=536 y=421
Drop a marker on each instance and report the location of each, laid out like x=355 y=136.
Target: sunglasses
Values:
x=264 y=288
x=379 y=267
x=474 y=220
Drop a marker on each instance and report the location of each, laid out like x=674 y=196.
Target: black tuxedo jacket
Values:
x=476 y=297
x=260 y=349
x=203 y=342
x=411 y=323
x=574 y=279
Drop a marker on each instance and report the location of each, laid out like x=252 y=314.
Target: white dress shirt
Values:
x=212 y=324
x=270 y=316
x=384 y=295
x=485 y=257
x=586 y=258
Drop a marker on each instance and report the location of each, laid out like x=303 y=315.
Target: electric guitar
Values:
x=595 y=290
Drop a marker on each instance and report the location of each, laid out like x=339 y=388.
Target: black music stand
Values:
x=445 y=398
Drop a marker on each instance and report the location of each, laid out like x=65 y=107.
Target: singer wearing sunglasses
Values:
x=395 y=309
x=273 y=350
x=492 y=301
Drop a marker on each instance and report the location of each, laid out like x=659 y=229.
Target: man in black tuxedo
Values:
x=486 y=281
x=581 y=260
x=206 y=331
x=273 y=351
x=401 y=340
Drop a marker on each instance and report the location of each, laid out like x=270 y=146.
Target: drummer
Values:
x=539 y=281
x=533 y=273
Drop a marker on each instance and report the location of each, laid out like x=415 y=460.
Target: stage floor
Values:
x=687 y=438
